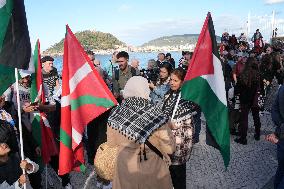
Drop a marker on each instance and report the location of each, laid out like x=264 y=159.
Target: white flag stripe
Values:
x=216 y=80
x=39 y=93
x=76 y=136
x=45 y=121
x=80 y=74
x=74 y=81
x=65 y=101
x=2 y=3
x=33 y=115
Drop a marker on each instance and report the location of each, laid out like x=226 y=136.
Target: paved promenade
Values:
x=252 y=166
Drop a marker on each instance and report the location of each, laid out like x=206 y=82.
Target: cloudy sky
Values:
x=138 y=21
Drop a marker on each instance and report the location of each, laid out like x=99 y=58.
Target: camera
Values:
x=151 y=75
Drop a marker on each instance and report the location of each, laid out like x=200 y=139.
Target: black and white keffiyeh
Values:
x=185 y=108
x=136 y=119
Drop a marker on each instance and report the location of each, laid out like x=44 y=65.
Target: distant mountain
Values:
x=175 y=40
x=89 y=40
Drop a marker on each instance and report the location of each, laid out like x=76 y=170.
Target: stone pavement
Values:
x=252 y=166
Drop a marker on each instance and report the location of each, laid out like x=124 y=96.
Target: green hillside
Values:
x=89 y=40
x=175 y=40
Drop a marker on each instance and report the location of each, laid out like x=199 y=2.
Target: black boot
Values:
x=257 y=133
x=257 y=136
x=234 y=132
x=242 y=141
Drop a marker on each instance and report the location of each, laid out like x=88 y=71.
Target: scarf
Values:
x=185 y=108
x=136 y=119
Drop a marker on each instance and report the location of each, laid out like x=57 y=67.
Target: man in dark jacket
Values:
x=277 y=138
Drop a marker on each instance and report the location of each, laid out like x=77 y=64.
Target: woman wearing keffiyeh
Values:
x=183 y=128
x=130 y=125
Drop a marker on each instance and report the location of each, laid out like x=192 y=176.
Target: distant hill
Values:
x=175 y=40
x=89 y=40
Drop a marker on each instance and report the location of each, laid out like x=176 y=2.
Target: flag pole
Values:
x=176 y=106
x=19 y=118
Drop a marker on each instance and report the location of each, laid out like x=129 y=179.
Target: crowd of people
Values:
x=152 y=130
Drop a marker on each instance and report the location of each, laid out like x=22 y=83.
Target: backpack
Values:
x=116 y=73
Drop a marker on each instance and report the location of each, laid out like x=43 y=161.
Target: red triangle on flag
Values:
x=201 y=62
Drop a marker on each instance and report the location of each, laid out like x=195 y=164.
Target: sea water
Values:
x=143 y=58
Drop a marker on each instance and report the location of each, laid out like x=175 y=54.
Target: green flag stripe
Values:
x=5 y=15
x=7 y=77
x=82 y=168
x=36 y=132
x=36 y=129
x=87 y=99
x=65 y=139
x=34 y=91
x=217 y=122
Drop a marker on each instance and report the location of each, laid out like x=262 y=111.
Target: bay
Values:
x=143 y=58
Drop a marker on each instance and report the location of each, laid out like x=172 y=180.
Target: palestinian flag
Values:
x=7 y=77
x=15 y=46
x=204 y=84
x=41 y=129
x=84 y=97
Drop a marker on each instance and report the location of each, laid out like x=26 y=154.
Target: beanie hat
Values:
x=46 y=58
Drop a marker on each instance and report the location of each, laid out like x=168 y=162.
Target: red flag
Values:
x=40 y=126
x=84 y=97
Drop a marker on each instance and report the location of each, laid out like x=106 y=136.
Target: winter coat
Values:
x=130 y=172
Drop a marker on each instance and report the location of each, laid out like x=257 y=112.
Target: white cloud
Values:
x=137 y=35
x=230 y=23
x=273 y=1
x=123 y=8
x=140 y=34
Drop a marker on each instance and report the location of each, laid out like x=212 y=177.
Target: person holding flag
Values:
x=10 y=165
x=47 y=80
x=181 y=112
x=31 y=147
x=15 y=50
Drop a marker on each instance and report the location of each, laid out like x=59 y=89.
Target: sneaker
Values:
x=241 y=141
x=68 y=186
